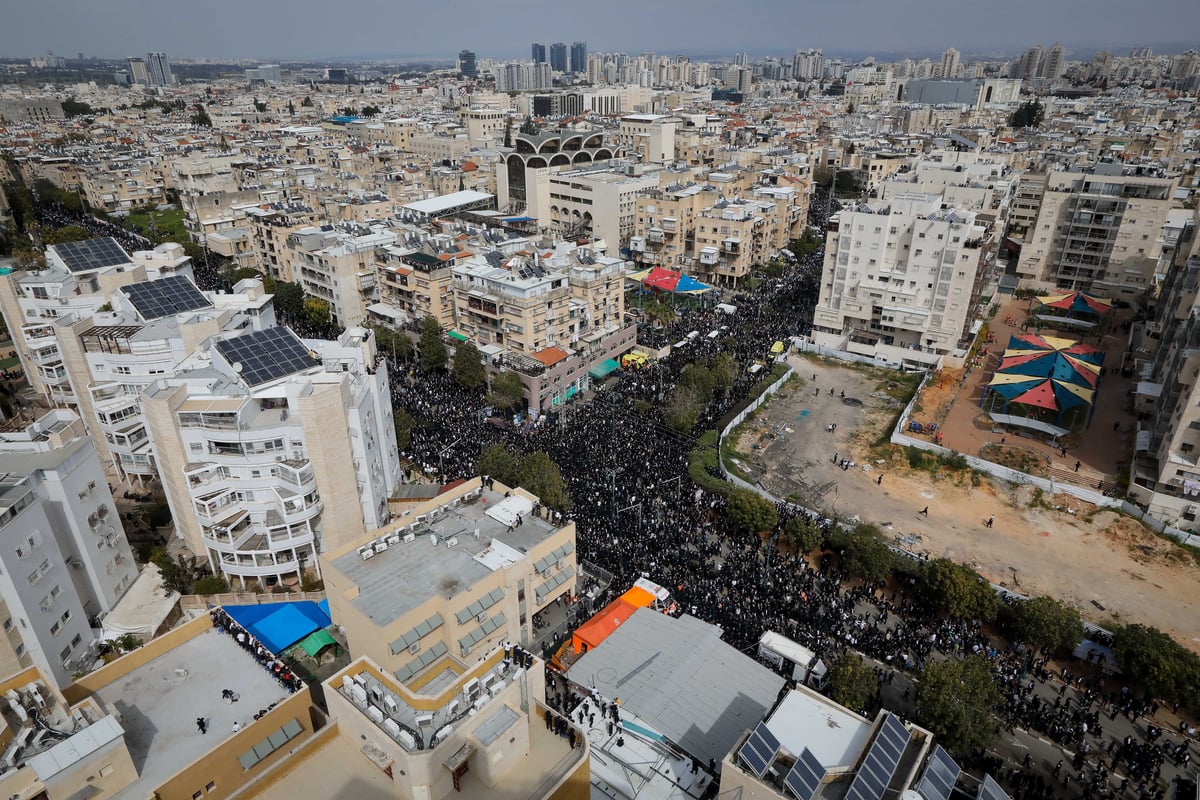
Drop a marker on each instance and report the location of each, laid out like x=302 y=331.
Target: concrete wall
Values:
x=327 y=442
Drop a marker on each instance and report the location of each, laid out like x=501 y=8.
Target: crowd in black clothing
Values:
x=268 y=660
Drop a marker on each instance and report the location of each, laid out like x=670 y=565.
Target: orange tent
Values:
x=601 y=626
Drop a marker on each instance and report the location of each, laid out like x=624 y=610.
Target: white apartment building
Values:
x=598 y=201
x=651 y=136
x=64 y=558
x=111 y=356
x=272 y=449
x=900 y=280
x=80 y=278
x=1098 y=232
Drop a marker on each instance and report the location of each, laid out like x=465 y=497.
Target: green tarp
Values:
x=603 y=369
x=462 y=337
x=317 y=642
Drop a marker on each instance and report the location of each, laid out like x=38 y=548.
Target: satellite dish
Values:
x=237 y=366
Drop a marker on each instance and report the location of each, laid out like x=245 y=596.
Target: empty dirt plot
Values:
x=1108 y=566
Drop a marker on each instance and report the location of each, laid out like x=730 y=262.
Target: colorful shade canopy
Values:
x=669 y=281
x=1077 y=302
x=1048 y=372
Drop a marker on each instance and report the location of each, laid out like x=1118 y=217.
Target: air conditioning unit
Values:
x=452 y=542
x=366 y=553
x=451 y=708
x=410 y=537
x=546 y=572
x=424 y=719
x=393 y=540
x=414 y=648
x=481 y=616
x=381 y=545
x=560 y=564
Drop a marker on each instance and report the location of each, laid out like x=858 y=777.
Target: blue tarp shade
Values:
x=324 y=606
x=280 y=625
x=603 y=369
x=519 y=219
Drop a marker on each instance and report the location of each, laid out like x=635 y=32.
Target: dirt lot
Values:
x=1106 y=565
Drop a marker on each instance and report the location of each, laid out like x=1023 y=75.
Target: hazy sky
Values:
x=301 y=29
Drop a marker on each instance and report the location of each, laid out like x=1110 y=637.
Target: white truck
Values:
x=793 y=659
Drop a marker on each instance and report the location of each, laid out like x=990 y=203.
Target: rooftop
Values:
x=834 y=734
x=159 y=702
x=447 y=202
x=402 y=577
x=680 y=678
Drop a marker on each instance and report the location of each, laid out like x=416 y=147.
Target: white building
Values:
x=900 y=280
x=110 y=357
x=271 y=449
x=64 y=558
x=80 y=277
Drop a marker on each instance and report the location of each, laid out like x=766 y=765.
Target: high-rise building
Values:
x=538 y=53
x=807 y=65
x=138 y=71
x=1030 y=64
x=579 y=57
x=1055 y=63
x=951 y=63
x=466 y=64
x=558 y=57
x=64 y=555
x=291 y=452
x=159 y=67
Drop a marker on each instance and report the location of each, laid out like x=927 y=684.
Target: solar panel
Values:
x=165 y=297
x=805 y=776
x=881 y=761
x=91 y=254
x=759 y=750
x=941 y=773
x=990 y=790
x=264 y=356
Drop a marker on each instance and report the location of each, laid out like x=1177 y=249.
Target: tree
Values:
x=750 y=512
x=403 y=422
x=1028 y=115
x=955 y=700
x=1047 y=624
x=289 y=300
x=541 y=476
x=371 y=111
x=529 y=127
x=497 y=461
x=683 y=409
x=74 y=108
x=306 y=102
x=259 y=107
x=1157 y=663
x=851 y=682
x=802 y=534
x=316 y=311
x=211 y=584
x=392 y=343
x=468 y=367
x=508 y=391
x=349 y=111
x=867 y=555
x=68 y=233
x=201 y=118
x=433 y=349
x=958 y=590
x=508 y=132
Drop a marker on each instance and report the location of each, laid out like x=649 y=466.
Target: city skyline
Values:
x=223 y=29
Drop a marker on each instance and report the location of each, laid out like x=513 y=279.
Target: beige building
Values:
x=1097 y=232
x=664 y=232
x=455 y=576
x=733 y=236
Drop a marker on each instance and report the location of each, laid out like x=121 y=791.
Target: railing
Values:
x=201 y=602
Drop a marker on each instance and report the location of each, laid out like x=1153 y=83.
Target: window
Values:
x=65 y=654
x=20 y=650
x=208 y=787
x=55 y=628
x=76 y=639
x=8 y=624
x=66 y=616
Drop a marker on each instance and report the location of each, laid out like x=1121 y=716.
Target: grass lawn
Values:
x=168 y=223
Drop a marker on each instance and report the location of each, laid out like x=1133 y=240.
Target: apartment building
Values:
x=271 y=449
x=335 y=263
x=111 y=356
x=414 y=284
x=65 y=559
x=665 y=223
x=1165 y=476
x=733 y=236
x=270 y=225
x=900 y=280
x=79 y=278
x=455 y=575
x=649 y=136
x=122 y=184
x=1098 y=232
x=599 y=200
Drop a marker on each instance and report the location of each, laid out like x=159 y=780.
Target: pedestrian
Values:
x=1064 y=452
x=925 y=511
x=1077 y=463
x=879 y=481
x=990 y=520
x=201 y=724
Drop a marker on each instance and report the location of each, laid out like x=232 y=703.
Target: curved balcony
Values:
x=251 y=540
x=260 y=566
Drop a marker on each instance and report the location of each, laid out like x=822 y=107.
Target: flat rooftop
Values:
x=835 y=735
x=404 y=576
x=158 y=704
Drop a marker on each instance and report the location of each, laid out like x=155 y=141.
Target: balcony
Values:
x=709 y=255
x=732 y=245
x=670 y=224
x=243 y=566
x=654 y=236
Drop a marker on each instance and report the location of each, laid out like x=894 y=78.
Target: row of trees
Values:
x=698 y=383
